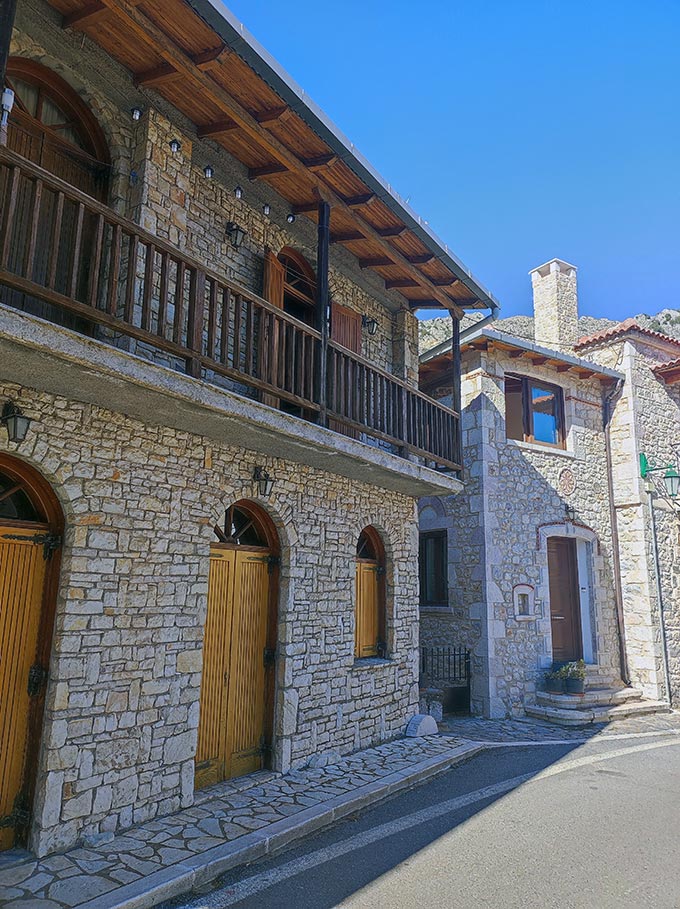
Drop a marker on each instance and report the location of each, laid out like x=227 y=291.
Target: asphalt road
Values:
x=595 y=826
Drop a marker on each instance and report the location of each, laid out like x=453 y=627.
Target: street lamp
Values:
x=668 y=487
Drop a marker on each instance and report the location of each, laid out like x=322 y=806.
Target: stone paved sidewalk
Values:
x=525 y=730
x=229 y=825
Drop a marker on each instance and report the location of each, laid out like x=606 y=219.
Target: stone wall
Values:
x=515 y=497
x=122 y=705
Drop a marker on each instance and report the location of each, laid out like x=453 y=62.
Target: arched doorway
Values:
x=31 y=523
x=237 y=689
x=369 y=637
x=52 y=126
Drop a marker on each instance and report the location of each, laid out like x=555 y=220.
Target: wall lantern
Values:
x=290 y=217
x=265 y=484
x=7 y=104
x=175 y=146
x=136 y=113
x=208 y=172
x=238 y=192
x=569 y=512
x=267 y=209
x=371 y=325
x=668 y=486
x=17 y=424
x=235 y=233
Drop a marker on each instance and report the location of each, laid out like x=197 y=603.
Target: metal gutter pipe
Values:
x=659 y=596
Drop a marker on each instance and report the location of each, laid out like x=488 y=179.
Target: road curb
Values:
x=199 y=870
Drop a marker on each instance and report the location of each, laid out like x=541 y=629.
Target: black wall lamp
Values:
x=17 y=424
x=235 y=233
x=175 y=145
x=265 y=484
x=371 y=325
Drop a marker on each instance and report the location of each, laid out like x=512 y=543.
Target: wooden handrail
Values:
x=66 y=249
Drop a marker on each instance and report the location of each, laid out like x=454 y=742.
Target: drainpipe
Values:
x=613 y=519
x=659 y=596
x=8 y=9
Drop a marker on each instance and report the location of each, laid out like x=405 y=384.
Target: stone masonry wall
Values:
x=140 y=501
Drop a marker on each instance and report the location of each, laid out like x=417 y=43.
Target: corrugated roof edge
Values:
x=524 y=344
x=236 y=36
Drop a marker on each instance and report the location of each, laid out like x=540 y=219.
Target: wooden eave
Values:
x=169 y=47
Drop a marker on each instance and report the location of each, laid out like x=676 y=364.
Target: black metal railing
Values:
x=446 y=667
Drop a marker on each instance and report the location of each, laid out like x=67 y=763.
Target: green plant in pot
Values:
x=554 y=681
x=574 y=677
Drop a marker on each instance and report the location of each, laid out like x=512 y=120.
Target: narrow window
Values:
x=369 y=639
x=433 y=568
x=534 y=411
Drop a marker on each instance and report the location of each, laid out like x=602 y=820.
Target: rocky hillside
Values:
x=434 y=331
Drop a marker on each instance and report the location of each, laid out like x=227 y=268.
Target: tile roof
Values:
x=669 y=371
x=621 y=329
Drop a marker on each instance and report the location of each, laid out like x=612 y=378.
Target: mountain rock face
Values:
x=435 y=331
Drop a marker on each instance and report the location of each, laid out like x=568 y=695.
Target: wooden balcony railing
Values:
x=84 y=265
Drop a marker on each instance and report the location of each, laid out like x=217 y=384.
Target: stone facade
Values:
x=141 y=498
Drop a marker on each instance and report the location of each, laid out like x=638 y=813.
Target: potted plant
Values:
x=574 y=677
x=554 y=681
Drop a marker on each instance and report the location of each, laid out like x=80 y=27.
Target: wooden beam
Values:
x=400 y=282
x=420 y=260
x=347 y=236
x=255 y=173
x=514 y=354
x=150 y=34
x=320 y=161
x=276 y=113
x=305 y=208
x=214 y=130
x=445 y=282
x=375 y=261
x=211 y=58
x=391 y=231
x=356 y=201
x=156 y=76
x=86 y=16
x=537 y=361
x=564 y=367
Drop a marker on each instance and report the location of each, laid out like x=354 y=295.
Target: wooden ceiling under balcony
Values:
x=168 y=47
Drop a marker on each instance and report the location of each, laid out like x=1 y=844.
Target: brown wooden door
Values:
x=345 y=330
x=22 y=587
x=367 y=609
x=272 y=290
x=565 y=606
x=233 y=717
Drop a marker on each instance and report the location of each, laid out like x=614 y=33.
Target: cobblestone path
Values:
x=478 y=730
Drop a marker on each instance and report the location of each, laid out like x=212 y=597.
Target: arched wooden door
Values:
x=237 y=688
x=369 y=638
x=52 y=126
x=30 y=528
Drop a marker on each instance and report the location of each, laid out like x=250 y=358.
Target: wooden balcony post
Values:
x=455 y=383
x=322 y=302
x=195 y=317
x=8 y=9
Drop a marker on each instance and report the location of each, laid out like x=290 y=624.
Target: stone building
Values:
x=549 y=552
x=208 y=526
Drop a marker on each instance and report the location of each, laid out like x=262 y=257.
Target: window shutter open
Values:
x=272 y=284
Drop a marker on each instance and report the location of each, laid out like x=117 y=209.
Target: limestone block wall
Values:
x=122 y=704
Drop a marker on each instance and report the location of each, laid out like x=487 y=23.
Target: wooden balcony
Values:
x=69 y=258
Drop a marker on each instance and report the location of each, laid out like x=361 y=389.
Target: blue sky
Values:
x=520 y=130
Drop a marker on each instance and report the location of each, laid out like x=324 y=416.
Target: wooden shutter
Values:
x=22 y=579
x=272 y=283
x=367 y=609
x=346 y=327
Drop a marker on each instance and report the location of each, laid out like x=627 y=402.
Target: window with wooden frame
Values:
x=534 y=411
x=369 y=639
x=433 y=565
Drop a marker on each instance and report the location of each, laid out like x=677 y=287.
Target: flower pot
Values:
x=575 y=686
x=554 y=686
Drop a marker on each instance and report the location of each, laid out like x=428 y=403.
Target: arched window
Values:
x=299 y=286
x=369 y=639
x=245 y=524
x=52 y=126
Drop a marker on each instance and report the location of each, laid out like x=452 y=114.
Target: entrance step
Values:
x=583 y=716
x=593 y=697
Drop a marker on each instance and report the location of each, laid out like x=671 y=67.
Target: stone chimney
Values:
x=555 y=305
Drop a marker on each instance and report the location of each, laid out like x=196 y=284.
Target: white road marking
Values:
x=220 y=899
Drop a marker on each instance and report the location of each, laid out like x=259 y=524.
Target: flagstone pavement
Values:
x=242 y=820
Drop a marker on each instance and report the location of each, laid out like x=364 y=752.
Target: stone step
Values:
x=606 y=714
x=593 y=697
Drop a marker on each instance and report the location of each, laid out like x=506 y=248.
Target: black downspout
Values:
x=455 y=385
x=618 y=589
x=322 y=254
x=8 y=10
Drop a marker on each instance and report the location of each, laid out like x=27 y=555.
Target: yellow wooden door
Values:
x=22 y=579
x=232 y=713
x=367 y=604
